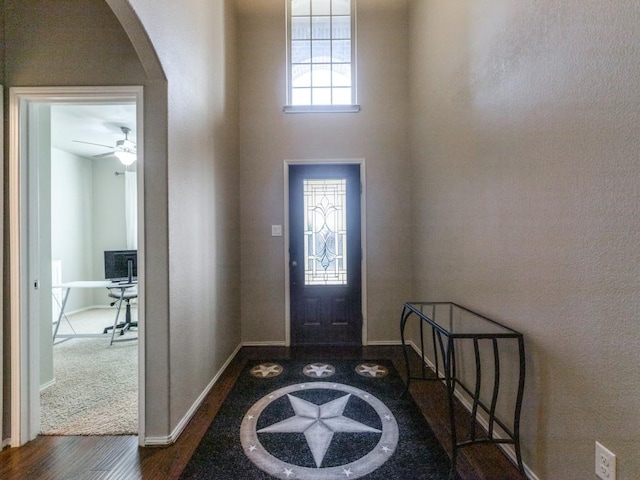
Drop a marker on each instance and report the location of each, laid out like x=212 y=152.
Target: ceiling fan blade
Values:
x=103 y=155
x=97 y=144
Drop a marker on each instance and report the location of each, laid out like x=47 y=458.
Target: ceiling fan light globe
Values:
x=126 y=158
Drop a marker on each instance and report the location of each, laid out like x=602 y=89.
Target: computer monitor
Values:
x=121 y=265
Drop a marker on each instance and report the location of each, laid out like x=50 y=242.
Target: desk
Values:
x=450 y=326
x=66 y=289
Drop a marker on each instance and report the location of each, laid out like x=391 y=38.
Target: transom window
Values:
x=321 y=54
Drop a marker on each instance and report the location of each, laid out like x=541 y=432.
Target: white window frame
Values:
x=349 y=108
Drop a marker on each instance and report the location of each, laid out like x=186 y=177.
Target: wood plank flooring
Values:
x=120 y=458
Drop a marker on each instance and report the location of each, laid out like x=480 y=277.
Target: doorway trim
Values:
x=24 y=344
x=363 y=230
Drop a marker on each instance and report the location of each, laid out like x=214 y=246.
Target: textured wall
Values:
x=65 y=43
x=190 y=176
x=268 y=137
x=195 y=42
x=525 y=155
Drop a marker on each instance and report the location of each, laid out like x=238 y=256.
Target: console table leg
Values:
x=518 y=409
x=403 y=321
x=449 y=359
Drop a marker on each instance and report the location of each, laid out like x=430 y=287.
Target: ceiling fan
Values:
x=124 y=150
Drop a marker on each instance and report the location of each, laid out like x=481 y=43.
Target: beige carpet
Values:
x=96 y=386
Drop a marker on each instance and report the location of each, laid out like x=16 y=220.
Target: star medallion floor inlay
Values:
x=372 y=370
x=319 y=370
x=266 y=370
x=318 y=424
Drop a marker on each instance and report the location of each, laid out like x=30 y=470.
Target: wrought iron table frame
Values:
x=493 y=332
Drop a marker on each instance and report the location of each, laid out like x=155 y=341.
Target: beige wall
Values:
x=195 y=42
x=62 y=46
x=78 y=51
x=378 y=134
x=191 y=214
x=525 y=195
x=523 y=167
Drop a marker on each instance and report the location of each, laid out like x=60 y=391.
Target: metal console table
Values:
x=451 y=324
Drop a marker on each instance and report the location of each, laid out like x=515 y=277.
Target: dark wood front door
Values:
x=325 y=254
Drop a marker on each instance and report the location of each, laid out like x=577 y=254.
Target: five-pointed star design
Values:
x=318 y=423
x=318 y=369
x=266 y=370
x=373 y=370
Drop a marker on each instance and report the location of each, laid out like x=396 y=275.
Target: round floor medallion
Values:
x=336 y=431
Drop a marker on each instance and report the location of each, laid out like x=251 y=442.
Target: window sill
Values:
x=321 y=108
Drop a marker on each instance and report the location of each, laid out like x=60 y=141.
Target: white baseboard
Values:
x=168 y=440
x=5 y=443
x=84 y=309
x=275 y=343
x=508 y=449
x=383 y=343
x=158 y=441
x=264 y=344
x=48 y=384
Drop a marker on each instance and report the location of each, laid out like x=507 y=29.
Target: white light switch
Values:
x=276 y=230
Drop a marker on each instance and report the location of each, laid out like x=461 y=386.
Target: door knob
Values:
x=294 y=264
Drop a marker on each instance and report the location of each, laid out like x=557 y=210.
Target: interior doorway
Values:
x=326 y=254
x=35 y=227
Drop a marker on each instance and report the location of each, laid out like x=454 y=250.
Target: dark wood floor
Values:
x=119 y=457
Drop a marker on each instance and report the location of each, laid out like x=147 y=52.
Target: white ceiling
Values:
x=91 y=123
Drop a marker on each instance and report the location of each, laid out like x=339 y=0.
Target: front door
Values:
x=325 y=254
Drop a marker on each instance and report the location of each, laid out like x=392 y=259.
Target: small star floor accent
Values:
x=372 y=370
x=319 y=370
x=290 y=419
x=266 y=370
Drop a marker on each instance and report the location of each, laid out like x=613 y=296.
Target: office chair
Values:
x=120 y=294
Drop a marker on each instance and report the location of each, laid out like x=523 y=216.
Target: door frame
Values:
x=363 y=233
x=3 y=442
x=25 y=349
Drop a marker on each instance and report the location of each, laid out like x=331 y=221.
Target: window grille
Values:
x=321 y=54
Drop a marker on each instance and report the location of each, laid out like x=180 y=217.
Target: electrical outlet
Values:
x=605 y=463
